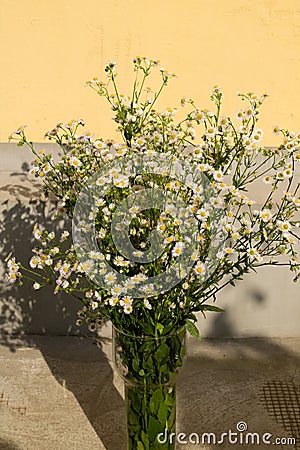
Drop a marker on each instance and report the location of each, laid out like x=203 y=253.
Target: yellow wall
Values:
x=50 y=48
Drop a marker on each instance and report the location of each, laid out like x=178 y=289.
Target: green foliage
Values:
x=192 y=329
x=150 y=411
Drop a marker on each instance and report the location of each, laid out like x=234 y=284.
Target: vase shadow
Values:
x=82 y=367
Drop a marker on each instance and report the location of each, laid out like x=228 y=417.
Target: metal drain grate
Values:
x=282 y=401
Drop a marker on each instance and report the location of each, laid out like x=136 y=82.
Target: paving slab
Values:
x=62 y=393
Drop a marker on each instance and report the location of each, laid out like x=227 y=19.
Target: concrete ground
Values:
x=61 y=393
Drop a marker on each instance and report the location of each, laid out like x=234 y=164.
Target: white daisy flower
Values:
x=127 y=300
x=265 y=215
x=211 y=132
x=100 y=202
x=95 y=255
x=12 y=277
x=121 y=151
x=121 y=182
x=178 y=248
x=249 y=112
x=147 y=304
x=223 y=122
x=94 y=305
x=194 y=256
x=134 y=210
x=35 y=260
x=138 y=253
x=169 y=239
x=118 y=260
x=113 y=301
x=101 y=181
x=288 y=173
x=116 y=290
x=289 y=238
x=280 y=175
x=75 y=162
x=267 y=179
x=283 y=226
x=200 y=268
x=128 y=309
x=257 y=135
x=64 y=236
x=253 y=254
x=199 y=116
x=37 y=232
x=247 y=141
x=110 y=278
x=218 y=175
x=202 y=214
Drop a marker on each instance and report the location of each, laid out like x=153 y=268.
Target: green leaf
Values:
x=163 y=412
x=154 y=428
x=144 y=439
x=162 y=353
x=156 y=400
x=212 y=308
x=203 y=313
x=140 y=446
x=192 y=329
x=135 y=365
x=133 y=418
x=170 y=399
x=160 y=328
x=148 y=364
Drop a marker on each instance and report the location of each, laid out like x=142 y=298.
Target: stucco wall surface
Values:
x=49 y=49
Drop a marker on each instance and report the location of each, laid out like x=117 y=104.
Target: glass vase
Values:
x=148 y=366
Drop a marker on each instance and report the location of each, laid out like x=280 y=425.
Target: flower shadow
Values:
x=39 y=317
x=22 y=310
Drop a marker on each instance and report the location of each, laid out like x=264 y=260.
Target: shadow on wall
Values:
x=222 y=324
x=23 y=310
x=25 y=313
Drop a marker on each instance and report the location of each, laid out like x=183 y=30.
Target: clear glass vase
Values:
x=148 y=366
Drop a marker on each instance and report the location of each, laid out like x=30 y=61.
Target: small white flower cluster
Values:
x=13 y=270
